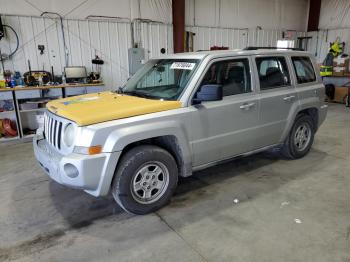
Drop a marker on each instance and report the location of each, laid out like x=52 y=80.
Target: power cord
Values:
x=17 y=45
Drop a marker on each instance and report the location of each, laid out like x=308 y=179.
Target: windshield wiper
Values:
x=139 y=94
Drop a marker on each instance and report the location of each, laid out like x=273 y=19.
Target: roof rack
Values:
x=272 y=47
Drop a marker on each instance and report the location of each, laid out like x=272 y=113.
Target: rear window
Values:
x=303 y=70
x=273 y=72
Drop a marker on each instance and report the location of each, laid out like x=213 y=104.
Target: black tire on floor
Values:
x=290 y=150
x=133 y=169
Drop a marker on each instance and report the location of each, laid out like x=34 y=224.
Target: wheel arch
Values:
x=312 y=111
x=169 y=143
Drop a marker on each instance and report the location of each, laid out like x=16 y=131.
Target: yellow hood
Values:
x=100 y=107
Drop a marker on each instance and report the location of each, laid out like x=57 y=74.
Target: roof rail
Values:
x=272 y=47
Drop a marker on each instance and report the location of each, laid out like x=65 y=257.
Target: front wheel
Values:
x=300 y=138
x=145 y=179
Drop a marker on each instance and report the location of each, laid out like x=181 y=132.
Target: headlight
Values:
x=68 y=135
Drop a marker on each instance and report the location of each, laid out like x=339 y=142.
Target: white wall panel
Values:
x=268 y=14
x=110 y=40
x=156 y=36
x=334 y=23
x=84 y=39
x=159 y=10
x=205 y=37
x=320 y=42
x=334 y=14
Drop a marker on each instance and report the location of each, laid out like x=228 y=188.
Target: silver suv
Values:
x=178 y=114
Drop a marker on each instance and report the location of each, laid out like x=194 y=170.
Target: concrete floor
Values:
x=287 y=211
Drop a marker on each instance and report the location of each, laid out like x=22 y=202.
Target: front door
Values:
x=222 y=129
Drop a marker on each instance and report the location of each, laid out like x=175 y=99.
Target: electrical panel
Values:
x=136 y=57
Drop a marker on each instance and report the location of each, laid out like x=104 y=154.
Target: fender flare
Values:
x=120 y=138
x=293 y=114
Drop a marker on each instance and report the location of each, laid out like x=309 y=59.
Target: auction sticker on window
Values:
x=182 y=65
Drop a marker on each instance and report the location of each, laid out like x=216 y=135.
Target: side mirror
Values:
x=208 y=93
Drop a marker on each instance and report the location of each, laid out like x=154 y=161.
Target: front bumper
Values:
x=92 y=173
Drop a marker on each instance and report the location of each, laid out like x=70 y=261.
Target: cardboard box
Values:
x=341 y=62
x=340 y=94
x=338 y=71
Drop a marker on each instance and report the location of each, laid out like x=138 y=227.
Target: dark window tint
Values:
x=303 y=70
x=273 y=72
x=233 y=75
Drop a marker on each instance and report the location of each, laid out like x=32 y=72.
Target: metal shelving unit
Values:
x=10 y=114
x=27 y=119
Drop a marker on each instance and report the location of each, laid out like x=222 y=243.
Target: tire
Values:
x=297 y=145
x=145 y=179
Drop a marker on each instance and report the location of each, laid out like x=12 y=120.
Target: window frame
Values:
x=295 y=71
x=288 y=66
x=221 y=59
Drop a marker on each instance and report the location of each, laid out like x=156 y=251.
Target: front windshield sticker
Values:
x=183 y=65
x=80 y=100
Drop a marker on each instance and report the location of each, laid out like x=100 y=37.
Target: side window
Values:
x=273 y=72
x=233 y=75
x=303 y=70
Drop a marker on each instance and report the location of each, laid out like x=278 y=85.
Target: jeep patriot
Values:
x=178 y=114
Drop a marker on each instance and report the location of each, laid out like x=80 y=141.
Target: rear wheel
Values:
x=145 y=179
x=300 y=138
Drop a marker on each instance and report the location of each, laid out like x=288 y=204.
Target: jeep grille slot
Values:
x=53 y=131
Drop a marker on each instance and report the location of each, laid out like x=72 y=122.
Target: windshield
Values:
x=161 y=79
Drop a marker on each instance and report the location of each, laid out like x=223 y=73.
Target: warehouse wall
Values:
x=159 y=10
x=109 y=40
x=268 y=14
x=220 y=22
x=236 y=38
x=237 y=23
x=334 y=23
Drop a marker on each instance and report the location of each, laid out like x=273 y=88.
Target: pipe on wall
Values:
x=178 y=10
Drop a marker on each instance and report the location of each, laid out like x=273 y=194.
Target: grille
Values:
x=53 y=131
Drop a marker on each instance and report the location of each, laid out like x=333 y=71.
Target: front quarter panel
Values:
x=114 y=136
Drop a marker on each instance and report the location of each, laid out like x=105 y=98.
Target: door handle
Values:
x=288 y=98
x=246 y=106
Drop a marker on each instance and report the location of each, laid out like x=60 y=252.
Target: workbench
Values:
x=27 y=119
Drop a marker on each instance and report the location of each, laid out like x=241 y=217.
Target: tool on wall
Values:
x=3 y=35
x=95 y=75
x=33 y=78
x=2 y=62
x=41 y=48
x=2 y=32
x=63 y=35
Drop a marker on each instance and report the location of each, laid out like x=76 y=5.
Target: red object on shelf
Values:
x=9 y=127
x=212 y=48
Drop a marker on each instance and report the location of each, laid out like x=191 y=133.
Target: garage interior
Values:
x=257 y=208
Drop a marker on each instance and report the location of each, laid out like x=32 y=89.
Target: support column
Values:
x=178 y=8
x=314 y=15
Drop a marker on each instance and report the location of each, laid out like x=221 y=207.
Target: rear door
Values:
x=307 y=85
x=277 y=97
